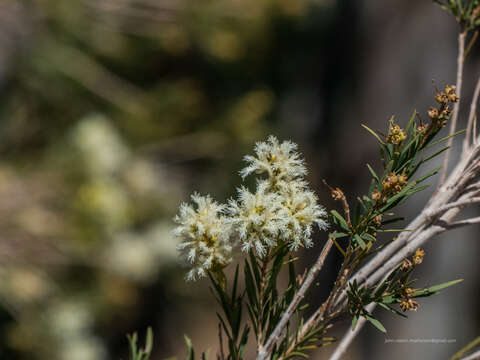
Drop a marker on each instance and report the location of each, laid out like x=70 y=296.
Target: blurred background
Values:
x=113 y=111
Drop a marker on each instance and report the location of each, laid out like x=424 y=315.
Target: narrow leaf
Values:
x=373 y=133
x=376 y=323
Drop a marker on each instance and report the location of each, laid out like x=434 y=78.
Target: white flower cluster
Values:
x=282 y=210
x=287 y=209
x=206 y=235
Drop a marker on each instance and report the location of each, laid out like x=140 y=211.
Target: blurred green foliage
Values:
x=111 y=111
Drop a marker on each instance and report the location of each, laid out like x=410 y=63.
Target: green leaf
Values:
x=389 y=167
x=191 y=352
x=275 y=270
x=376 y=323
x=243 y=341
x=222 y=297
x=224 y=325
x=250 y=286
x=342 y=222
x=373 y=174
x=354 y=321
x=149 y=341
x=236 y=318
x=357 y=214
x=471 y=345
x=394 y=230
x=389 y=308
x=444 y=285
x=425 y=177
x=373 y=133
x=132 y=339
x=253 y=317
x=428 y=158
x=255 y=269
x=296 y=353
x=390 y=221
x=434 y=289
x=444 y=139
x=418 y=189
x=388 y=299
x=368 y=237
x=359 y=241
x=290 y=292
x=405 y=151
x=235 y=282
x=336 y=235
x=411 y=123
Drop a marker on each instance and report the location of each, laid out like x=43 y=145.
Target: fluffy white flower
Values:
x=205 y=234
x=282 y=211
x=279 y=160
x=301 y=212
x=256 y=218
x=294 y=212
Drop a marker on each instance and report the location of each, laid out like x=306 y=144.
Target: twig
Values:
x=263 y=275
x=264 y=353
x=459 y=203
x=453 y=121
x=474 y=356
x=471 y=345
x=461 y=223
x=471 y=118
x=475 y=129
x=411 y=246
x=337 y=194
x=350 y=336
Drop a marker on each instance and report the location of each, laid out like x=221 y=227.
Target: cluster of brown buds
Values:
x=408 y=304
x=440 y=115
x=391 y=185
x=422 y=128
x=417 y=259
x=396 y=135
x=394 y=183
x=337 y=194
x=377 y=220
x=418 y=256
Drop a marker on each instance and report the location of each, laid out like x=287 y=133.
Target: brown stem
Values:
x=456 y=108
x=277 y=334
x=263 y=275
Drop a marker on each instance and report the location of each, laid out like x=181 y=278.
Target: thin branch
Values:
x=475 y=188
x=471 y=118
x=461 y=223
x=264 y=352
x=475 y=139
x=453 y=121
x=459 y=204
x=337 y=194
x=474 y=356
x=471 y=345
x=263 y=285
x=350 y=335
x=440 y=226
